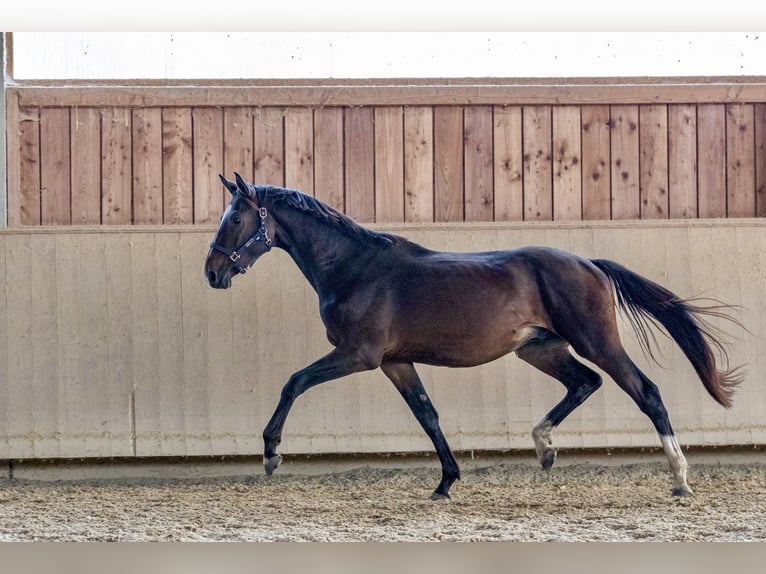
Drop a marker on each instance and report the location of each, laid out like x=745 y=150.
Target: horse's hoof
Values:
x=683 y=491
x=548 y=458
x=438 y=496
x=271 y=465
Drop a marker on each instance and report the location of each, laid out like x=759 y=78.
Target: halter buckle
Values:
x=234 y=256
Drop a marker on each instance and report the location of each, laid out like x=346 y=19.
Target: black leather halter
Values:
x=261 y=235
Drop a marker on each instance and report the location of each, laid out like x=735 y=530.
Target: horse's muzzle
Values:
x=218 y=280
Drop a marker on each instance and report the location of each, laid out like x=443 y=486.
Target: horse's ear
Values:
x=230 y=185
x=247 y=189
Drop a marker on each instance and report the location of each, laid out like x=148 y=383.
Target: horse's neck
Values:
x=318 y=248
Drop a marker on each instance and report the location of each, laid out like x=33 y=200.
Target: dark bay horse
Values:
x=387 y=302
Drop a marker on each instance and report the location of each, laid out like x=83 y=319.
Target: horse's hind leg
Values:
x=647 y=396
x=550 y=353
x=408 y=383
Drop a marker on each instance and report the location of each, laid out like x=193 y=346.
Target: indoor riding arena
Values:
x=134 y=397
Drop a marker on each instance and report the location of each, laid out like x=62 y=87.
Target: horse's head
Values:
x=243 y=235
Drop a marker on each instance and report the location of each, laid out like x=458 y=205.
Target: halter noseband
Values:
x=261 y=235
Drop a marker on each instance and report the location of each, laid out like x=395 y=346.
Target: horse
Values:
x=389 y=303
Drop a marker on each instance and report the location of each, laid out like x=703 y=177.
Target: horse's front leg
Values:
x=338 y=363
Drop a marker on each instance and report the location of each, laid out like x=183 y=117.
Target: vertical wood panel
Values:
x=418 y=164
x=389 y=164
x=19 y=305
x=5 y=380
x=56 y=195
x=299 y=149
x=596 y=156
x=268 y=146
x=147 y=166
x=13 y=158
x=711 y=157
x=760 y=160
x=116 y=200
x=177 y=170
x=508 y=164
x=625 y=162
x=479 y=153
x=29 y=168
x=567 y=163
x=145 y=333
x=538 y=167
x=682 y=161
x=359 y=142
x=448 y=163
x=86 y=165
x=237 y=144
x=328 y=157
x=740 y=161
x=164 y=405
x=653 y=170
x=120 y=344
x=210 y=197
x=103 y=439
x=45 y=355
x=74 y=387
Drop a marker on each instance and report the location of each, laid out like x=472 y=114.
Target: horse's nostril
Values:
x=211 y=277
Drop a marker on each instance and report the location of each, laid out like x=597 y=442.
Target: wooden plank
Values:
x=538 y=167
x=299 y=149
x=147 y=166
x=625 y=162
x=19 y=307
x=760 y=160
x=210 y=197
x=45 y=354
x=29 y=167
x=145 y=335
x=120 y=344
x=163 y=411
x=450 y=92
x=567 y=163
x=5 y=379
x=479 y=153
x=596 y=154
x=389 y=164
x=328 y=157
x=56 y=194
x=711 y=159
x=682 y=161
x=448 y=163
x=740 y=160
x=268 y=146
x=359 y=142
x=653 y=166
x=237 y=143
x=94 y=342
x=73 y=385
x=418 y=164
x=86 y=165
x=13 y=160
x=508 y=164
x=116 y=199
x=177 y=170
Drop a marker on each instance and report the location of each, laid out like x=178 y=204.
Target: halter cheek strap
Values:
x=261 y=235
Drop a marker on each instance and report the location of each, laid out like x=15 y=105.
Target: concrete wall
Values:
x=112 y=344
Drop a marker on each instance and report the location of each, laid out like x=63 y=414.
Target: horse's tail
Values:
x=684 y=321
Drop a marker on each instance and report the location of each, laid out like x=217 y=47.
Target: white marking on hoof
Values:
x=546 y=453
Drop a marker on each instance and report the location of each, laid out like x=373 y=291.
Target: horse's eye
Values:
x=236 y=220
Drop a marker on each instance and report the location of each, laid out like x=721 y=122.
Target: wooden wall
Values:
x=113 y=344
x=448 y=152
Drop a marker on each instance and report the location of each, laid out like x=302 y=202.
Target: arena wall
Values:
x=113 y=345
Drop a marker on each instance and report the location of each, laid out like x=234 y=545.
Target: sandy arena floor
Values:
x=500 y=502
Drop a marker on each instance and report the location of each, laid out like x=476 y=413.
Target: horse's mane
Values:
x=326 y=214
